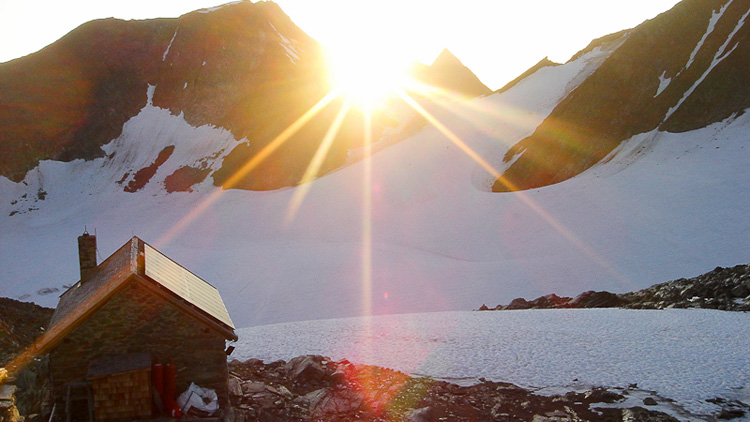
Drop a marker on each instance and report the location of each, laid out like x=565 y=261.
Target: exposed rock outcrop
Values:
x=315 y=388
x=722 y=288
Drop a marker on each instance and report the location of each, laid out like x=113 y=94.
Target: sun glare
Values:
x=366 y=78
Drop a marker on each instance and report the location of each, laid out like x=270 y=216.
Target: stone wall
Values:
x=136 y=320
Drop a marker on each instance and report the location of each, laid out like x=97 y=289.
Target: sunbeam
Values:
x=570 y=236
x=279 y=140
x=450 y=135
x=317 y=161
x=245 y=169
x=367 y=215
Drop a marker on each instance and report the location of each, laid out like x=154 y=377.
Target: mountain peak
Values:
x=448 y=73
x=446 y=59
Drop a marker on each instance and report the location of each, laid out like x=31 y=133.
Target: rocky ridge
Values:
x=726 y=289
x=315 y=388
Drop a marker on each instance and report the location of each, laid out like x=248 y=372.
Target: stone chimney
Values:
x=86 y=255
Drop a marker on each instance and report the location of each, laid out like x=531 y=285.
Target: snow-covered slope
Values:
x=414 y=229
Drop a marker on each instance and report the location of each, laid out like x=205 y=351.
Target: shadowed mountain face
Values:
x=228 y=67
x=65 y=101
x=683 y=70
x=243 y=67
x=249 y=69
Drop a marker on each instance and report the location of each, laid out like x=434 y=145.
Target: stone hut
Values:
x=137 y=303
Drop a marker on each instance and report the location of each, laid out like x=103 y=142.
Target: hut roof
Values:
x=136 y=260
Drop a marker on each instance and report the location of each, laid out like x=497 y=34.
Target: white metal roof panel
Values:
x=185 y=284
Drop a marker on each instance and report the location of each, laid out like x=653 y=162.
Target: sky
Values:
x=497 y=39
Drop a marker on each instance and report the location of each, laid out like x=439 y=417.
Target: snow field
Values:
x=684 y=355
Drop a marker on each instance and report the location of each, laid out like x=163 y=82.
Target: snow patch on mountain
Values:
x=215 y=8
x=715 y=16
x=663 y=83
x=166 y=52
x=201 y=147
x=290 y=46
x=57 y=195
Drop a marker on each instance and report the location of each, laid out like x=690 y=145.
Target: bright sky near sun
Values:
x=497 y=39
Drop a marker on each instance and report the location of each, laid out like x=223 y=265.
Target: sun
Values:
x=367 y=78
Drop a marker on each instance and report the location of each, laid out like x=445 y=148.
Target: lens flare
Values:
x=366 y=77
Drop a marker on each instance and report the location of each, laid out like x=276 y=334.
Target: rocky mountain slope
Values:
x=244 y=67
x=683 y=70
x=20 y=324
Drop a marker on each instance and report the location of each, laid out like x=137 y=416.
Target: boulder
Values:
x=423 y=414
x=280 y=391
x=727 y=414
x=602 y=395
x=336 y=402
x=642 y=415
x=592 y=299
x=8 y=392
x=235 y=386
x=313 y=398
x=649 y=401
x=740 y=291
x=306 y=368
x=340 y=376
x=253 y=387
x=500 y=411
